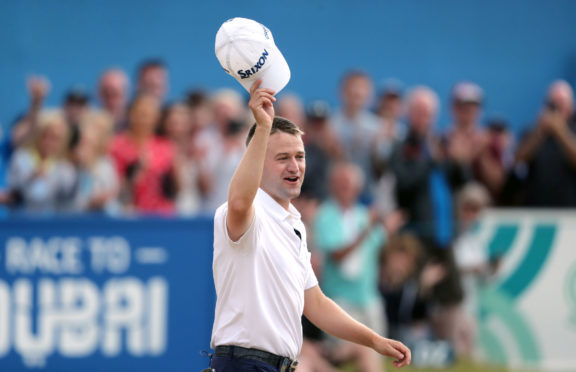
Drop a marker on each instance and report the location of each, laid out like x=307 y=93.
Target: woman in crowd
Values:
x=40 y=179
x=178 y=127
x=97 y=182
x=145 y=161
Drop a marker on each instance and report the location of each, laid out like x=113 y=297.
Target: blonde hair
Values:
x=52 y=119
x=101 y=123
x=473 y=192
x=406 y=243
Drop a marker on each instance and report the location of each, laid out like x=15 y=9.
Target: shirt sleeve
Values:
x=245 y=240
x=311 y=280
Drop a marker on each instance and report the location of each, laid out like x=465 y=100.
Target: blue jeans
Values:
x=231 y=364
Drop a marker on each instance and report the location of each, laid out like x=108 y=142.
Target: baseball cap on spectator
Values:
x=318 y=110
x=246 y=51
x=467 y=92
x=76 y=95
x=497 y=124
x=392 y=88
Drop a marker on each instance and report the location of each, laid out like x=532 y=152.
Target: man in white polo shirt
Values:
x=262 y=272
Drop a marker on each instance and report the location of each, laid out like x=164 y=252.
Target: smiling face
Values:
x=284 y=167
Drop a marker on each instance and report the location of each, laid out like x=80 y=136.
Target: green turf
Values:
x=462 y=366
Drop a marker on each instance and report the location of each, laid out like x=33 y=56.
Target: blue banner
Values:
x=105 y=295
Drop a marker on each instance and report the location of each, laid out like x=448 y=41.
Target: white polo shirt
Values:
x=260 y=280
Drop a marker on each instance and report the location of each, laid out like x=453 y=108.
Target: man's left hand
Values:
x=394 y=349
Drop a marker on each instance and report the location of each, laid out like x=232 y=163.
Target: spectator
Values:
x=549 y=152
x=389 y=110
x=425 y=180
x=113 y=89
x=177 y=127
x=144 y=161
x=475 y=267
x=97 y=181
x=74 y=106
x=391 y=132
x=226 y=138
x=407 y=309
x=24 y=127
x=355 y=126
x=350 y=236
x=201 y=110
x=322 y=149
x=496 y=160
x=40 y=179
x=290 y=106
x=152 y=79
x=466 y=140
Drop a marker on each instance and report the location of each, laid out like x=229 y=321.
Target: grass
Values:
x=461 y=366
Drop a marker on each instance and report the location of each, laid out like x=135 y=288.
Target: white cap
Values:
x=467 y=92
x=246 y=50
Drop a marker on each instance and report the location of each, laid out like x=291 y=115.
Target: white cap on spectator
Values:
x=246 y=50
x=467 y=92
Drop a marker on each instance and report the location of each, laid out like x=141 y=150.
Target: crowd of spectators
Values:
x=391 y=203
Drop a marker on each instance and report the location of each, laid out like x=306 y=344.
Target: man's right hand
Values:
x=262 y=104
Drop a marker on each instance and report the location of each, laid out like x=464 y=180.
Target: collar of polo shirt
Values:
x=277 y=211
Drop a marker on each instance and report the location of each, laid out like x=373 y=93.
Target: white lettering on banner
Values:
x=53 y=255
x=79 y=330
x=75 y=317
x=157 y=319
x=112 y=254
x=125 y=307
x=5 y=305
x=34 y=348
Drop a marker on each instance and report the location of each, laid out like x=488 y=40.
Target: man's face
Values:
x=144 y=115
x=346 y=186
x=284 y=167
x=391 y=105
x=421 y=116
x=154 y=80
x=113 y=92
x=466 y=113
x=356 y=92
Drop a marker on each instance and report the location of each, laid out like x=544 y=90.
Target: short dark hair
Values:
x=279 y=124
x=151 y=63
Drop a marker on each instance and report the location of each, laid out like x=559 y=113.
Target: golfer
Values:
x=262 y=272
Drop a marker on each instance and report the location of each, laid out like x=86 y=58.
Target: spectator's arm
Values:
x=23 y=130
x=329 y=317
x=329 y=238
x=567 y=141
x=492 y=171
x=343 y=251
x=530 y=145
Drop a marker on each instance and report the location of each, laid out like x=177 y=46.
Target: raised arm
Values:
x=329 y=317
x=38 y=88
x=246 y=179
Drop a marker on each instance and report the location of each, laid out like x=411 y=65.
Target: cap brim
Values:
x=275 y=76
x=467 y=101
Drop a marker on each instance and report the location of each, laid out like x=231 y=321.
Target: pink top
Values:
x=156 y=157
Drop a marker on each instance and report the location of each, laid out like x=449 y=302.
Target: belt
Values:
x=282 y=363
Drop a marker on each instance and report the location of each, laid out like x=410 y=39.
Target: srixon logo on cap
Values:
x=244 y=74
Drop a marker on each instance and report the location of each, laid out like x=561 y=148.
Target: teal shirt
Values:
x=359 y=286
